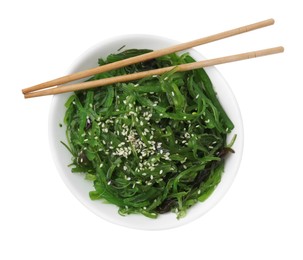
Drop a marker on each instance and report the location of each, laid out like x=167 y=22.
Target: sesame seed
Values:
x=85 y=140
x=161 y=171
x=197 y=96
x=124 y=168
x=109 y=182
x=172 y=93
x=199 y=191
x=151 y=177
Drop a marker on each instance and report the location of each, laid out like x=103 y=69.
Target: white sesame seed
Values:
x=109 y=182
x=85 y=140
x=124 y=168
x=101 y=165
x=172 y=93
x=199 y=191
x=161 y=171
x=151 y=177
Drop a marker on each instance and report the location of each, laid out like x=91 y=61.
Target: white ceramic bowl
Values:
x=80 y=187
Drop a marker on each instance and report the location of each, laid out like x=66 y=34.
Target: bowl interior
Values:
x=80 y=187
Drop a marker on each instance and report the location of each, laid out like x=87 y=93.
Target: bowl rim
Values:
x=211 y=202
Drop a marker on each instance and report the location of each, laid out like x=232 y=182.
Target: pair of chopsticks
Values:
x=55 y=86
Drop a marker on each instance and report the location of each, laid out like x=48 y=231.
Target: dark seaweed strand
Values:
x=150 y=146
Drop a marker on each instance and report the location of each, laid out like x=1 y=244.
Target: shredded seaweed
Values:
x=151 y=146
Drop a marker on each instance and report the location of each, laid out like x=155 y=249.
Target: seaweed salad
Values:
x=150 y=146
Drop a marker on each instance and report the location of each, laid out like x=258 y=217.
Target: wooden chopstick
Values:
x=139 y=75
x=147 y=56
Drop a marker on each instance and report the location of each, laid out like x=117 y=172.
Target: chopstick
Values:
x=139 y=75
x=147 y=56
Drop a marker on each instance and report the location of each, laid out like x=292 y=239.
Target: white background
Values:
x=261 y=215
